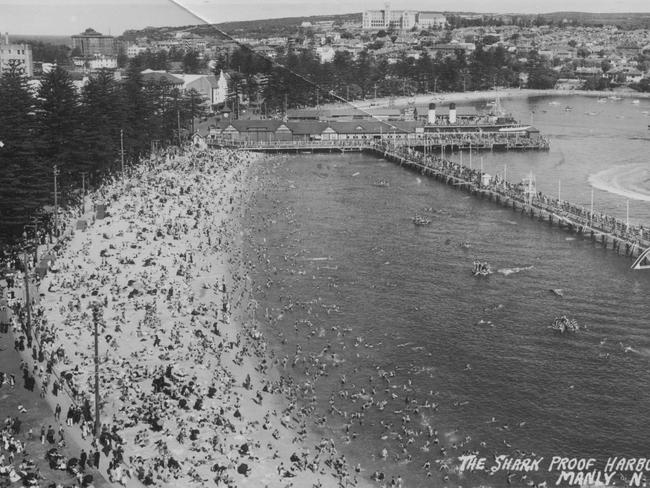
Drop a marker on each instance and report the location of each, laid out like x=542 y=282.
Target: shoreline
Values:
x=488 y=95
x=183 y=365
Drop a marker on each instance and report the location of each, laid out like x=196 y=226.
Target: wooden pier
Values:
x=607 y=231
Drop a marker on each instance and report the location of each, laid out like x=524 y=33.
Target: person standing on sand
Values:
x=50 y=435
x=96 y=459
x=83 y=457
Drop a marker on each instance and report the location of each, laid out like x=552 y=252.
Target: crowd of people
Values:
x=186 y=396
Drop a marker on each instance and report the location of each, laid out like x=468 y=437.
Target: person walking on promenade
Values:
x=57 y=411
x=96 y=458
x=83 y=457
x=42 y=434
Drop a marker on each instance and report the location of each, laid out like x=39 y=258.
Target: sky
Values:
x=67 y=17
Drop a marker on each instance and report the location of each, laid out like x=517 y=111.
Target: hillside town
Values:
x=205 y=59
x=405 y=53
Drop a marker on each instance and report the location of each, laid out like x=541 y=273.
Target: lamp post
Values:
x=83 y=189
x=122 y=150
x=56 y=173
x=28 y=325
x=96 y=319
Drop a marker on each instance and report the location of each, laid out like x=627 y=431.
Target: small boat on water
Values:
x=564 y=324
x=382 y=183
x=601 y=100
x=419 y=220
x=636 y=101
x=568 y=108
x=481 y=268
x=614 y=97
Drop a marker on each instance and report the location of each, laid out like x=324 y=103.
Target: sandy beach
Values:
x=189 y=393
x=466 y=97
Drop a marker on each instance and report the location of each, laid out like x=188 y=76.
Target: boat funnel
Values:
x=432 y=113
x=452 y=113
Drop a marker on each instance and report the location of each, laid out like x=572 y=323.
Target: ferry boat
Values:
x=469 y=121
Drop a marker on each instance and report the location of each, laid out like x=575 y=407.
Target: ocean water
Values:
x=461 y=364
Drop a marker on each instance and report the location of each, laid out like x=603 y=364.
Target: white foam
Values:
x=628 y=181
x=509 y=271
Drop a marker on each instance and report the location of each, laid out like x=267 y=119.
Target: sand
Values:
x=166 y=270
x=466 y=97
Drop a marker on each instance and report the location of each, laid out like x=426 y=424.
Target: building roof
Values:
x=91 y=33
x=307 y=127
x=150 y=76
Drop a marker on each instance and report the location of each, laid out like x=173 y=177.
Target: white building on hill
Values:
x=400 y=19
x=18 y=53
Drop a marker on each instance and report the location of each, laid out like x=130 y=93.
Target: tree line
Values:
x=299 y=79
x=78 y=132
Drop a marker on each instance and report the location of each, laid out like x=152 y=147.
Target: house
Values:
x=450 y=49
x=427 y=20
x=205 y=85
x=16 y=53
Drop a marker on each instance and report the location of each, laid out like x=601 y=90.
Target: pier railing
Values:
x=475 y=141
x=599 y=226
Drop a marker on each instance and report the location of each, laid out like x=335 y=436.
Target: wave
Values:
x=631 y=181
x=509 y=271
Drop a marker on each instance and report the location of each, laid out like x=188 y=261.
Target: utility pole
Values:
x=470 y=155
x=83 y=190
x=122 y=149
x=178 y=119
x=375 y=91
x=96 y=318
x=347 y=92
x=286 y=106
x=28 y=328
x=56 y=202
x=591 y=208
x=192 y=117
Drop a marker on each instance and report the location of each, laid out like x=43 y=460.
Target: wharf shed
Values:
x=304 y=130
